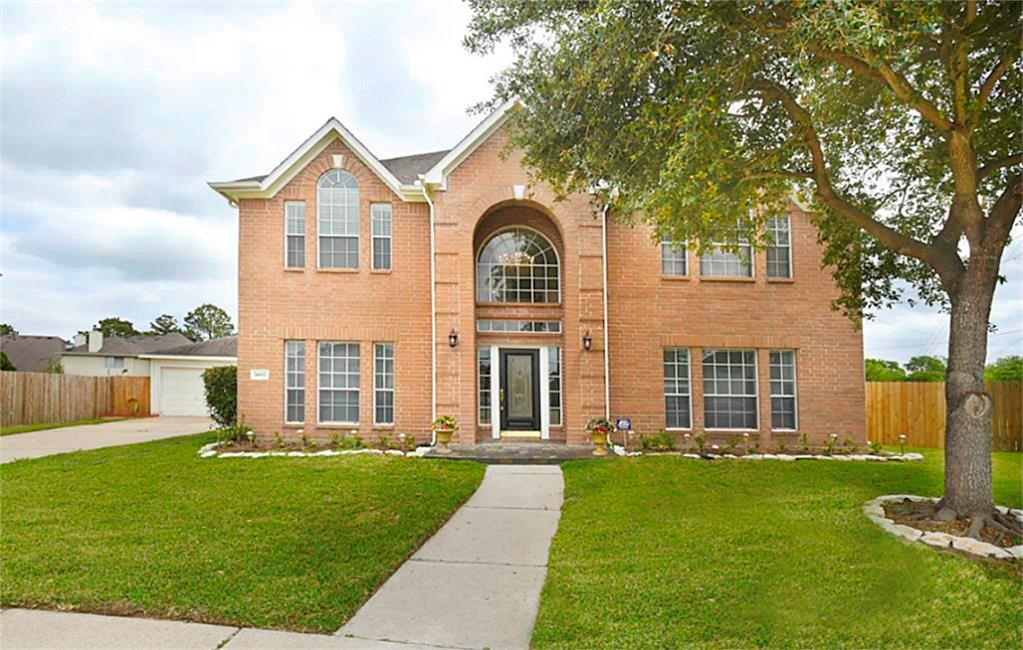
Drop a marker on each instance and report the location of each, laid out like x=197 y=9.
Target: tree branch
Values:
x=890 y=237
x=998 y=163
x=1004 y=212
x=988 y=87
x=776 y=173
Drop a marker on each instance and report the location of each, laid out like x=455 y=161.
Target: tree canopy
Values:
x=207 y=322
x=6 y=329
x=1005 y=369
x=164 y=324
x=116 y=326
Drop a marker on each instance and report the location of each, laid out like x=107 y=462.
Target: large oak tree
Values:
x=898 y=121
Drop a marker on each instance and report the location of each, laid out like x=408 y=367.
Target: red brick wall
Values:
x=649 y=312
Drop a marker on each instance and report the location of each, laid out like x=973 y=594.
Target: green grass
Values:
x=153 y=530
x=40 y=426
x=663 y=552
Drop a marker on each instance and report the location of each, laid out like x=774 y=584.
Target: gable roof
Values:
x=226 y=346
x=133 y=346
x=32 y=353
x=401 y=174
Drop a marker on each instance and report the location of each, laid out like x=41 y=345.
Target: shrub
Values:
x=221 y=384
x=660 y=441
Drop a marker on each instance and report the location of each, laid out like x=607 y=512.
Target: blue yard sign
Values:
x=623 y=424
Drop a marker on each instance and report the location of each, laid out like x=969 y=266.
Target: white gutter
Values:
x=187 y=357
x=433 y=307
x=607 y=363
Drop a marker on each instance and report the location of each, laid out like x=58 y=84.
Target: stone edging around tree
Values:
x=898 y=458
x=210 y=451
x=874 y=510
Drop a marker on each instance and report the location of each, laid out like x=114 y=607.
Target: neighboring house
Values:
x=376 y=294
x=173 y=363
x=32 y=353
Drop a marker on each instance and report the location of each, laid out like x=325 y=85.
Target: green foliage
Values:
x=1005 y=369
x=221 y=384
x=164 y=324
x=55 y=367
x=115 y=326
x=925 y=368
x=5 y=363
x=691 y=114
x=207 y=322
x=6 y=329
x=660 y=441
x=884 y=370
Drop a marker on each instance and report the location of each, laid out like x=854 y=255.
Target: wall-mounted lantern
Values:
x=452 y=338
x=587 y=341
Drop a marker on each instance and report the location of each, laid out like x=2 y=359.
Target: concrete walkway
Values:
x=93 y=436
x=477 y=582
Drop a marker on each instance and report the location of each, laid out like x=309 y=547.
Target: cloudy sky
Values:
x=115 y=116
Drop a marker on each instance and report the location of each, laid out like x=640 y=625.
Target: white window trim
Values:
x=545 y=402
x=689 y=372
x=490 y=354
x=286 y=420
x=561 y=387
x=685 y=257
x=792 y=273
x=756 y=391
x=373 y=237
x=358 y=389
x=795 y=387
x=287 y=234
x=391 y=390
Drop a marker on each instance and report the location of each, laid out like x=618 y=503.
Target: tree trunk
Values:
x=969 y=409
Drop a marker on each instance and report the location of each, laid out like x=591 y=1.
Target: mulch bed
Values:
x=920 y=515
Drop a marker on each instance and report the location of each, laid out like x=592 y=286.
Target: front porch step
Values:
x=517 y=453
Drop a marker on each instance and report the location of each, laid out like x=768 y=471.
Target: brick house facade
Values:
x=526 y=333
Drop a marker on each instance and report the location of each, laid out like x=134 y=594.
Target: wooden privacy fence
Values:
x=917 y=409
x=34 y=397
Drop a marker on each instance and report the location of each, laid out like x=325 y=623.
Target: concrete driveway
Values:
x=94 y=436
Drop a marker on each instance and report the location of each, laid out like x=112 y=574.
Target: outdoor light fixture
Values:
x=452 y=338
x=587 y=341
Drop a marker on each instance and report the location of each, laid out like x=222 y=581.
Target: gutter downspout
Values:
x=607 y=363
x=433 y=310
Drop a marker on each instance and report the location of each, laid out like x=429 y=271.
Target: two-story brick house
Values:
x=376 y=294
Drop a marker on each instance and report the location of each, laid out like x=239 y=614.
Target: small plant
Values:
x=445 y=423
x=874 y=447
x=805 y=443
x=384 y=442
x=279 y=441
x=829 y=445
x=307 y=442
x=700 y=443
x=782 y=448
x=660 y=441
x=406 y=442
x=236 y=433
x=733 y=443
x=849 y=446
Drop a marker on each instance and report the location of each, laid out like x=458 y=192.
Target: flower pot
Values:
x=600 y=441
x=443 y=438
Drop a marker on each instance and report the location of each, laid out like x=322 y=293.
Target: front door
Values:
x=520 y=390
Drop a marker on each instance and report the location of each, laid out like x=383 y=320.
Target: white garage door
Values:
x=183 y=392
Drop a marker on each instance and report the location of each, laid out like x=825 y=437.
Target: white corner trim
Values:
x=438 y=174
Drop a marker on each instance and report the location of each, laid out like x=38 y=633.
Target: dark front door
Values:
x=520 y=390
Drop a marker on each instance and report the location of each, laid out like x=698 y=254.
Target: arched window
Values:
x=337 y=210
x=518 y=265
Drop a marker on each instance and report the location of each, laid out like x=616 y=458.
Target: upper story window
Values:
x=518 y=265
x=673 y=258
x=294 y=234
x=337 y=209
x=380 y=216
x=779 y=247
x=719 y=263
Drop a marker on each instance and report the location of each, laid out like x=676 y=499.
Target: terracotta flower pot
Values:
x=600 y=441
x=443 y=438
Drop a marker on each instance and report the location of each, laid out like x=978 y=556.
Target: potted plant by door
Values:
x=443 y=428
x=599 y=428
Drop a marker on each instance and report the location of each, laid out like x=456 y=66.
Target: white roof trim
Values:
x=186 y=357
x=294 y=163
x=438 y=174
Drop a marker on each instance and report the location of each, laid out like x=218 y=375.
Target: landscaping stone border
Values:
x=874 y=510
x=211 y=451
x=898 y=458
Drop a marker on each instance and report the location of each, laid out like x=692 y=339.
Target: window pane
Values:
x=674 y=260
x=339 y=382
x=783 y=389
x=483 y=365
x=337 y=198
x=383 y=383
x=779 y=247
x=676 y=388
x=554 y=383
x=294 y=381
x=729 y=389
x=517 y=265
x=381 y=224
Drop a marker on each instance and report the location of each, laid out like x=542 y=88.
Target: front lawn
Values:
x=663 y=552
x=40 y=426
x=153 y=530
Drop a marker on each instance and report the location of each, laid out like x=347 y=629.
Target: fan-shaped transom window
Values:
x=518 y=265
x=337 y=205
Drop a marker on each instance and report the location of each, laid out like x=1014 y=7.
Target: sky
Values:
x=113 y=118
